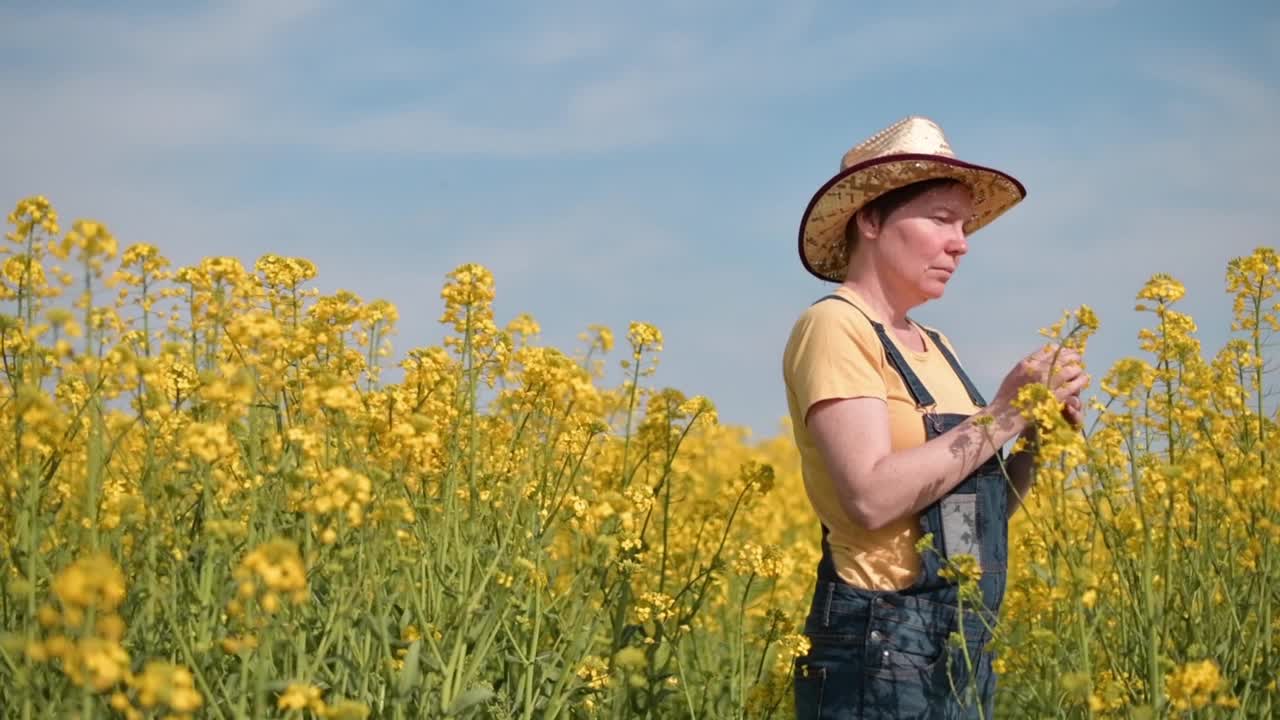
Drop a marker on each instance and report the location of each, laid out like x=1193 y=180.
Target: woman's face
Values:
x=920 y=243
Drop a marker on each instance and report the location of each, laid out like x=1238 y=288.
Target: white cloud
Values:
x=115 y=85
x=584 y=247
x=201 y=78
x=227 y=34
x=564 y=44
x=1220 y=84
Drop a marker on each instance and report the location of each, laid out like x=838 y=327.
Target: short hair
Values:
x=884 y=206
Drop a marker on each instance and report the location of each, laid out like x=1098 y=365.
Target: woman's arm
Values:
x=876 y=486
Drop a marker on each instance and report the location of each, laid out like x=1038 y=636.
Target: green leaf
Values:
x=474 y=696
x=409 y=674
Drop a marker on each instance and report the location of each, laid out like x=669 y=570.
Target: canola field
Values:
x=214 y=506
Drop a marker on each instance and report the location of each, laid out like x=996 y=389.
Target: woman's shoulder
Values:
x=833 y=342
x=836 y=311
x=831 y=321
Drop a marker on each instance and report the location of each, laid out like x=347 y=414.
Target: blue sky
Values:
x=650 y=161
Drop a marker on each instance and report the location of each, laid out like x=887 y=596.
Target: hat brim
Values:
x=822 y=243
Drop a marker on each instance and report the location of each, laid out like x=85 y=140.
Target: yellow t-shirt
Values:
x=834 y=352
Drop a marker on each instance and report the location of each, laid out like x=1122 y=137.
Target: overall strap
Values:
x=922 y=396
x=969 y=387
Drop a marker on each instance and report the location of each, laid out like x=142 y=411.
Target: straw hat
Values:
x=910 y=150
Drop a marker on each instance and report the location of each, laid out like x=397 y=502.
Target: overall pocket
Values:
x=905 y=667
x=901 y=649
x=828 y=679
x=808 y=683
x=827 y=685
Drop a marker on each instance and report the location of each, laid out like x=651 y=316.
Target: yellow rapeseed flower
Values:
x=166 y=685
x=1193 y=685
x=275 y=567
x=93 y=582
x=32 y=212
x=643 y=338
x=301 y=696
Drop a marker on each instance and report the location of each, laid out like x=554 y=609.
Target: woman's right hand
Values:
x=1052 y=365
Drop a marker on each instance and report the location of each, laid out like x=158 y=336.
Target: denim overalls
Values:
x=885 y=654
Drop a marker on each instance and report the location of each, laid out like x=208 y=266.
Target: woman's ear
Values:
x=868 y=224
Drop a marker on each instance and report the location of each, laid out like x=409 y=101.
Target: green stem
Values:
x=631 y=405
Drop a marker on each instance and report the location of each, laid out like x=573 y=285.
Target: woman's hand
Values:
x=1057 y=367
x=1073 y=411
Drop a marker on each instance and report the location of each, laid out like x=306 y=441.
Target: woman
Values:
x=897 y=445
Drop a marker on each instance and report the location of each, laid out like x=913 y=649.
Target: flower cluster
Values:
x=269 y=572
x=161 y=687
x=84 y=629
x=1196 y=684
x=341 y=495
